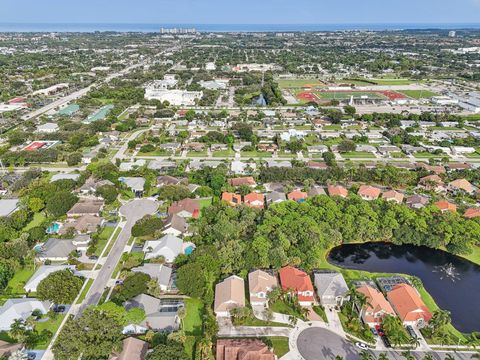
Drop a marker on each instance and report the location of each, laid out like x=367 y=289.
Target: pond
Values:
x=452 y=281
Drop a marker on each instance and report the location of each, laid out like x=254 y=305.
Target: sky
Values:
x=240 y=11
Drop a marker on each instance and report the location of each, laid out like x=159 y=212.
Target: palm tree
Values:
x=428 y=357
x=383 y=356
x=449 y=357
x=362 y=302
x=182 y=314
x=338 y=357
x=366 y=355
x=353 y=294
x=440 y=319
x=407 y=355
x=415 y=341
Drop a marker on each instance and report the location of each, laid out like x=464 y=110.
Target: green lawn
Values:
x=205 y=203
x=426 y=155
x=193 y=321
x=393 y=81
x=283 y=308
x=320 y=312
x=280 y=345
x=298 y=83
x=224 y=153
x=85 y=291
x=474 y=256
x=418 y=94
x=197 y=154
x=332 y=127
x=398 y=155
x=189 y=346
x=16 y=284
x=357 y=155
x=38 y=219
x=103 y=237
x=51 y=325
x=255 y=154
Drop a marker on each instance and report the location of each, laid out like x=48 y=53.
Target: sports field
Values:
x=341 y=95
x=418 y=94
x=299 y=83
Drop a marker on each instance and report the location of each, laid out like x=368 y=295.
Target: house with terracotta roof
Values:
x=299 y=283
x=369 y=193
x=243 y=349
x=377 y=306
x=436 y=169
x=229 y=294
x=444 y=206
x=417 y=201
x=472 y=213
x=133 y=349
x=408 y=305
x=186 y=208
x=232 y=198
x=393 y=196
x=297 y=195
x=240 y=181
x=337 y=190
x=260 y=283
x=432 y=182
x=254 y=200
x=461 y=185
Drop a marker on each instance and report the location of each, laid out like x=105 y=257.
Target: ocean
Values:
x=149 y=28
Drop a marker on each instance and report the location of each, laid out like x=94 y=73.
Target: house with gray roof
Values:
x=162 y=273
x=56 y=249
x=22 y=308
x=42 y=273
x=332 y=288
x=8 y=206
x=57 y=177
x=275 y=197
x=169 y=246
x=157 y=318
x=136 y=184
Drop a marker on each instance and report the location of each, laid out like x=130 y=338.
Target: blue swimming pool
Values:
x=53 y=229
x=189 y=250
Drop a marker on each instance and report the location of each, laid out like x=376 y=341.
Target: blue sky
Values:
x=240 y=11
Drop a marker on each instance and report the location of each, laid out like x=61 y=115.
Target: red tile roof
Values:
x=297 y=195
x=444 y=205
x=408 y=304
x=254 y=197
x=188 y=205
x=232 y=198
x=370 y=192
x=248 y=180
x=297 y=280
x=472 y=213
x=337 y=190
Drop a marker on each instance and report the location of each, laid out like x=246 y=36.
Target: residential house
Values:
x=316 y=190
x=275 y=197
x=444 y=206
x=186 y=208
x=461 y=185
x=317 y=149
x=56 y=250
x=297 y=195
x=298 y=283
x=155 y=319
x=432 y=182
x=243 y=349
x=243 y=181
x=85 y=224
x=472 y=213
x=254 y=200
x=20 y=309
x=91 y=186
x=279 y=164
x=160 y=272
x=132 y=349
x=58 y=177
x=417 y=201
x=86 y=206
x=8 y=207
x=458 y=166
x=47 y=128
x=337 y=190
x=42 y=273
x=394 y=196
x=409 y=306
x=232 y=198
x=377 y=306
x=260 y=283
x=317 y=165
x=369 y=193
x=136 y=184
x=229 y=294
x=168 y=246
x=167 y=180
x=175 y=225
x=332 y=290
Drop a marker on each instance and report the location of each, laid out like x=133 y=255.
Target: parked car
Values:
x=119 y=282
x=59 y=308
x=379 y=330
x=411 y=331
x=386 y=342
x=374 y=331
x=361 y=346
x=31 y=356
x=93 y=257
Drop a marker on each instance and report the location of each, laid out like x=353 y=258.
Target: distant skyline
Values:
x=240 y=12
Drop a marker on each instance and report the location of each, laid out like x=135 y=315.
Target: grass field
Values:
x=105 y=234
x=224 y=153
x=38 y=219
x=393 y=81
x=340 y=95
x=357 y=155
x=298 y=83
x=256 y=154
x=85 y=291
x=51 y=325
x=16 y=284
x=280 y=345
x=193 y=321
x=418 y=94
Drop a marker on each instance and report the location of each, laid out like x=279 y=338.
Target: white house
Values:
x=47 y=128
x=42 y=273
x=168 y=246
x=15 y=309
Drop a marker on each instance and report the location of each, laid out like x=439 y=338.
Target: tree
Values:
x=135 y=284
x=346 y=146
x=170 y=351
x=36 y=204
x=349 y=110
x=191 y=280
x=60 y=202
x=92 y=336
x=73 y=159
x=60 y=287
x=329 y=158
x=108 y=192
x=439 y=320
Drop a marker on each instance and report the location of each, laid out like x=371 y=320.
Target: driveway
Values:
x=133 y=211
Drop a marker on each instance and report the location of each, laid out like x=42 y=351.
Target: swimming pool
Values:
x=53 y=229
x=189 y=250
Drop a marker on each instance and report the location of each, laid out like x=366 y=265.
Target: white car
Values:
x=361 y=346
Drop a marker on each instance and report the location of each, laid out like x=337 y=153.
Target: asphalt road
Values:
x=133 y=211
x=317 y=344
